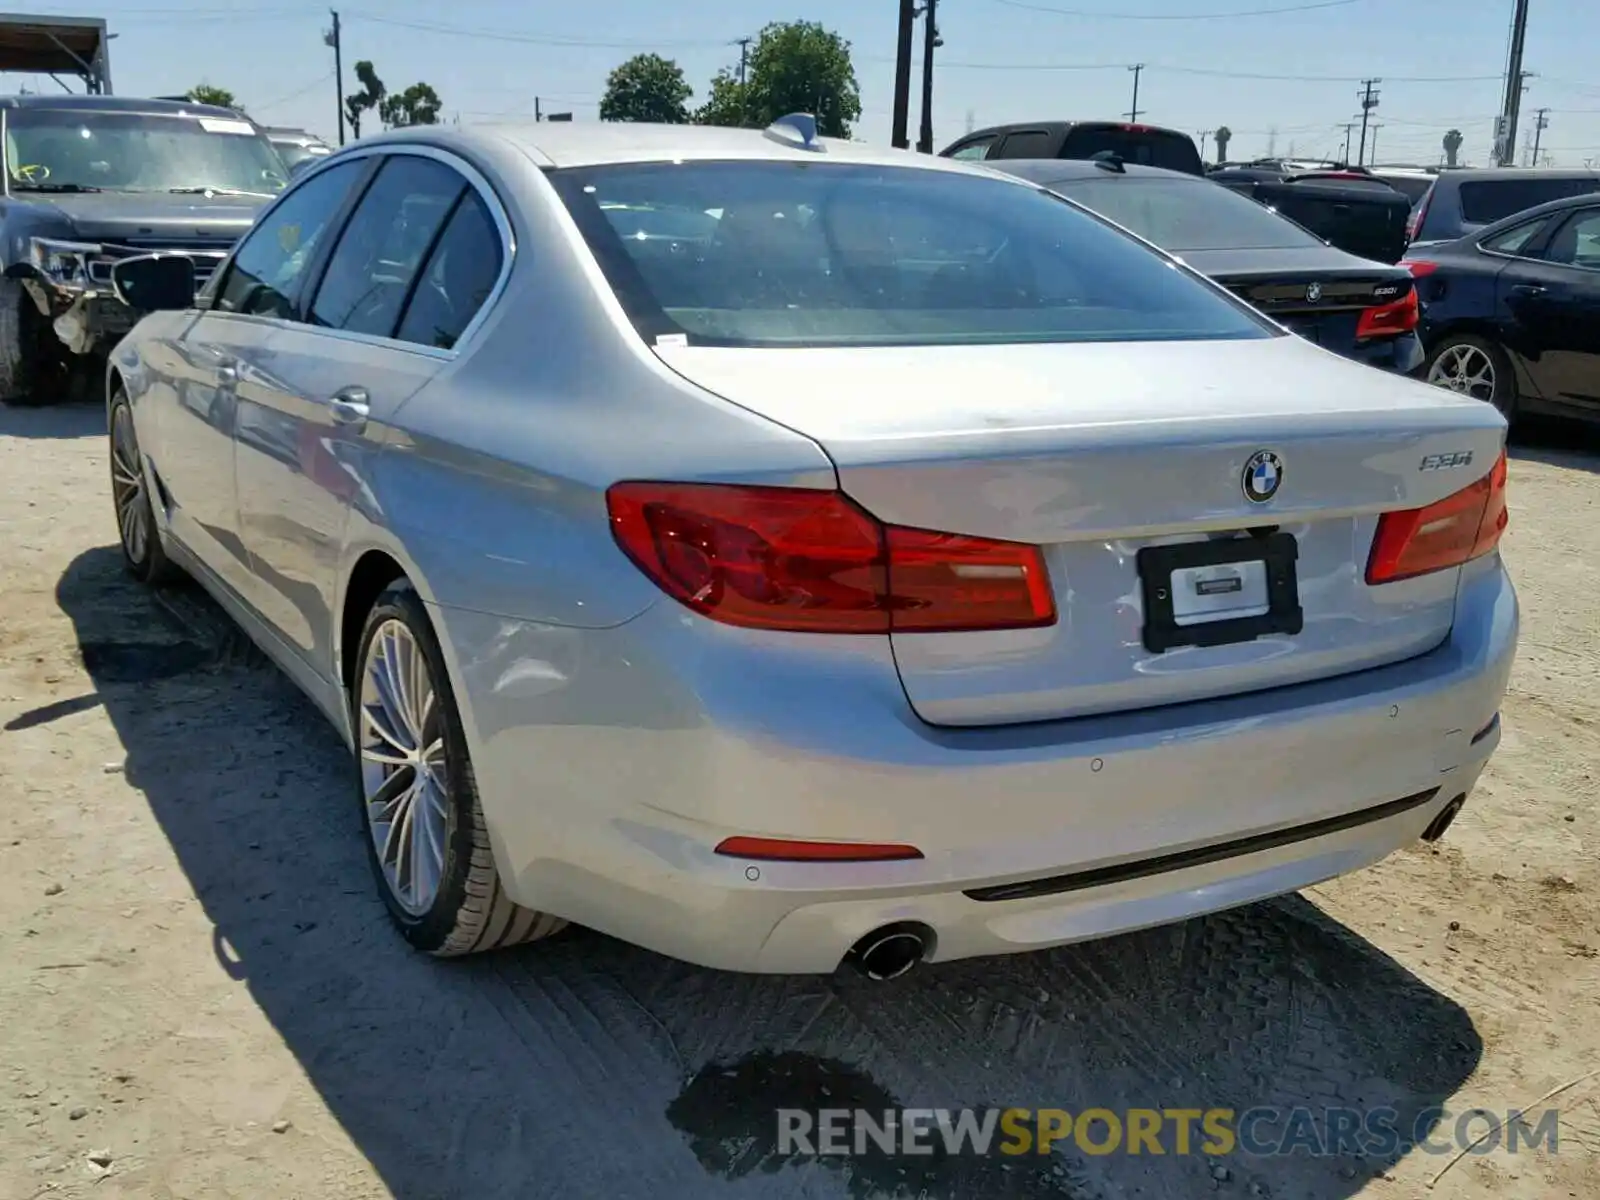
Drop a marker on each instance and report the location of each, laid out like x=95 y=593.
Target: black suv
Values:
x=1347 y=207
x=89 y=180
x=1144 y=145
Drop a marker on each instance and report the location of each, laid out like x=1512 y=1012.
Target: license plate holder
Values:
x=1220 y=591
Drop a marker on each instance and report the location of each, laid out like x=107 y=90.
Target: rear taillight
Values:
x=1419 y=214
x=1386 y=320
x=1455 y=530
x=1420 y=268
x=809 y=560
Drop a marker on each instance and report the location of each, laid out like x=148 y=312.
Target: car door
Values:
x=1554 y=301
x=217 y=359
x=378 y=326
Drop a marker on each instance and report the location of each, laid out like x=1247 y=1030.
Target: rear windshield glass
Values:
x=1412 y=187
x=823 y=254
x=1150 y=148
x=1182 y=214
x=1487 y=200
x=1370 y=230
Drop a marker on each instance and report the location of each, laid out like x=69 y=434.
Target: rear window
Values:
x=822 y=254
x=1147 y=147
x=1484 y=201
x=1413 y=187
x=1183 y=214
x=1371 y=230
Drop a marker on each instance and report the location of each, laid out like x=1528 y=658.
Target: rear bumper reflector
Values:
x=784 y=850
x=1199 y=856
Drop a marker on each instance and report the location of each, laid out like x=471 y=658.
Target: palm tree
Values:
x=1452 y=146
x=1224 y=135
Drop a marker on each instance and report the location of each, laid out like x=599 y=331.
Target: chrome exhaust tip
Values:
x=891 y=951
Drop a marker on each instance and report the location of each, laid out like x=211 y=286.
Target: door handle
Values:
x=227 y=375
x=350 y=406
x=1529 y=289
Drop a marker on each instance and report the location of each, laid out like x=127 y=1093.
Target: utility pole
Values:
x=1541 y=122
x=330 y=37
x=1375 y=128
x=1133 y=112
x=1205 y=135
x=902 y=75
x=1348 y=127
x=1511 y=104
x=744 y=56
x=538 y=113
x=930 y=40
x=1369 y=101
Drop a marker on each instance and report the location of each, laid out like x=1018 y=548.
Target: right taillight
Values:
x=810 y=560
x=1463 y=526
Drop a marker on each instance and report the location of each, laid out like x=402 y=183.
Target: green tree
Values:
x=359 y=103
x=794 y=66
x=647 y=88
x=1224 y=135
x=726 y=103
x=206 y=93
x=1452 y=146
x=419 y=104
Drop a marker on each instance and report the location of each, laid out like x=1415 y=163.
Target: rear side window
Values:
x=1032 y=143
x=1147 y=147
x=840 y=254
x=1516 y=239
x=457 y=279
x=1485 y=201
x=382 y=246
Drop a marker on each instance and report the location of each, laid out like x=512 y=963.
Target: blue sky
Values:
x=1440 y=60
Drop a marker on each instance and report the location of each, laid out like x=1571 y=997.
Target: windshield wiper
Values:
x=216 y=191
x=54 y=187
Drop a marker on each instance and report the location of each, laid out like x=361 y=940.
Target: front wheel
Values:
x=142 y=553
x=427 y=841
x=33 y=362
x=1475 y=367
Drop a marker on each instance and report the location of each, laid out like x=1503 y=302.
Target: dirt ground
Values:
x=199 y=996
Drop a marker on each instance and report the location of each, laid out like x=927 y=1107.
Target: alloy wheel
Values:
x=1465 y=368
x=403 y=766
x=127 y=487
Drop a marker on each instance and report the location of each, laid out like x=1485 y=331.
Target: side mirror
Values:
x=155 y=282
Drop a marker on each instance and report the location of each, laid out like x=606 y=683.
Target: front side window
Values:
x=1183 y=214
x=975 y=149
x=823 y=254
x=271 y=260
x=371 y=270
x=75 y=150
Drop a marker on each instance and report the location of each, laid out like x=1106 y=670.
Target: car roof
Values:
x=562 y=144
x=1061 y=170
x=122 y=104
x=1474 y=174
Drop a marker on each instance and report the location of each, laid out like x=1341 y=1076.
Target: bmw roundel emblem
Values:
x=1262 y=476
x=1314 y=293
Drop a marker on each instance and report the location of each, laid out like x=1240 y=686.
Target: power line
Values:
x=1212 y=16
x=294 y=95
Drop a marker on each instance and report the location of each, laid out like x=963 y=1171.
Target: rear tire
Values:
x=1476 y=367
x=426 y=839
x=142 y=553
x=33 y=365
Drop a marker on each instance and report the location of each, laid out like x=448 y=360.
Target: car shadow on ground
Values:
x=1557 y=442
x=68 y=420
x=584 y=1066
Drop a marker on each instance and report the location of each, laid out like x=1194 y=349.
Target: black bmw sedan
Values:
x=1353 y=306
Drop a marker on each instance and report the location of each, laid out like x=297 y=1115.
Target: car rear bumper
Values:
x=611 y=763
x=1403 y=355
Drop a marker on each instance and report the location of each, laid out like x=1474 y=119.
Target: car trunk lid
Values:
x=1099 y=452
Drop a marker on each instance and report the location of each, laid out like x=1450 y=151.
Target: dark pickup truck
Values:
x=89 y=180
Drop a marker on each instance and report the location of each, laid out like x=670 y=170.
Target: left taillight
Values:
x=1386 y=320
x=811 y=560
x=1463 y=526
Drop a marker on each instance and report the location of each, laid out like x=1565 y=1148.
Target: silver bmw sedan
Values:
x=777 y=551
